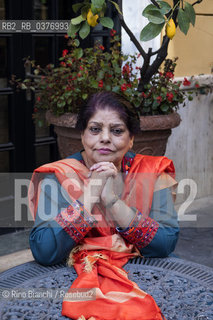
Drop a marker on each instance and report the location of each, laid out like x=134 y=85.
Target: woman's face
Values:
x=106 y=138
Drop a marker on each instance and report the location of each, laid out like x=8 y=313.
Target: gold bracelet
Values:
x=112 y=202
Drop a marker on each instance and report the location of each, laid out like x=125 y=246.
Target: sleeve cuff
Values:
x=76 y=221
x=140 y=231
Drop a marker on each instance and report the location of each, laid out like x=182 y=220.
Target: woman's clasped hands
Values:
x=109 y=176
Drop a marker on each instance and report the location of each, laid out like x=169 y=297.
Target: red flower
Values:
x=35 y=110
x=169 y=96
x=65 y=52
x=38 y=99
x=186 y=82
x=126 y=69
x=129 y=85
x=81 y=68
x=159 y=99
x=63 y=64
x=123 y=87
x=79 y=74
x=68 y=88
x=69 y=65
x=197 y=85
x=101 y=47
x=143 y=95
x=169 y=75
x=112 y=32
x=100 y=84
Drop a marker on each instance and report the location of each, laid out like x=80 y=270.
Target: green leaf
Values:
x=146 y=109
x=23 y=86
x=190 y=11
x=77 y=42
x=108 y=87
x=94 y=84
x=137 y=103
x=61 y=103
x=77 y=20
x=154 y=16
x=77 y=7
x=147 y=103
x=98 y=4
x=116 y=6
x=85 y=30
x=164 y=107
x=78 y=53
x=148 y=8
x=69 y=101
x=151 y=31
x=73 y=29
x=116 y=89
x=107 y=22
x=100 y=75
x=164 y=7
x=183 y=21
x=85 y=10
x=84 y=96
x=155 y=105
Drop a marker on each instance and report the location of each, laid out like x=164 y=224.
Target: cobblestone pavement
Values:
x=196 y=237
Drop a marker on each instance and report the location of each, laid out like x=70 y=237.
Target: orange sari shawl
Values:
x=99 y=258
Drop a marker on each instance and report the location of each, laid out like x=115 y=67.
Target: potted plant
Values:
x=153 y=92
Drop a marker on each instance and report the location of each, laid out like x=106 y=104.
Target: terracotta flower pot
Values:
x=152 y=140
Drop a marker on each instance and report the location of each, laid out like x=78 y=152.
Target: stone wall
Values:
x=191 y=146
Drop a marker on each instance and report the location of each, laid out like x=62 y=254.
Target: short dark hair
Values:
x=109 y=100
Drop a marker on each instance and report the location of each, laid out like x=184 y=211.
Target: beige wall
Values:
x=195 y=50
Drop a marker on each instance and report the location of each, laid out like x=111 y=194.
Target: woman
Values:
x=115 y=204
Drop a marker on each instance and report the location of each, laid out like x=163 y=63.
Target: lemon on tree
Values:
x=170 y=29
x=92 y=19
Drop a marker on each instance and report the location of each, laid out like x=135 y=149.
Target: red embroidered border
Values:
x=76 y=221
x=140 y=231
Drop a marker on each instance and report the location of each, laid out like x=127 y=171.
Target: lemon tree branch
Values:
x=155 y=3
x=197 y=2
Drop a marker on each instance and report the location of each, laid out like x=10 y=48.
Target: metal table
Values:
x=182 y=289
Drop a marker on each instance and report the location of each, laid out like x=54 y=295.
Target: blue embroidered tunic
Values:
x=52 y=240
